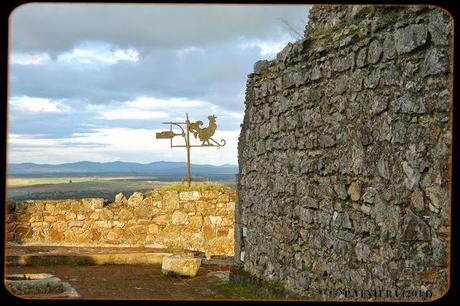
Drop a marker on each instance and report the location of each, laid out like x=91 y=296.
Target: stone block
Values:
x=125 y=214
x=34 y=284
x=417 y=200
x=215 y=220
x=135 y=199
x=210 y=194
x=120 y=198
x=261 y=67
x=228 y=221
x=106 y=214
x=153 y=229
x=219 y=246
x=50 y=208
x=222 y=232
x=375 y=51
x=70 y=216
x=171 y=200
x=75 y=223
x=389 y=50
x=139 y=229
x=223 y=197
x=35 y=217
x=361 y=58
x=355 y=190
x=103 y=223
x=189 y=195
x=49 y=218
x=409 y=38
x=340 y=190
x=439 y=27
x=341 y=219
x=21 y=232
x=230 y=206
x=369 y=195
x=117 y=223
x=176 y=265
x=97 y=203
x=309 y=202
x=363 y=251
x=415 y=229
x=435 y=62
x=208 y=232
x=189 y=206
x=143 y=212
x=56 y=235
x=438 y=198
x=195 y=221
x=179 y=217
x=161 y=219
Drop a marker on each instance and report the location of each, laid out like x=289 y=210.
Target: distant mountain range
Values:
x=160 y=169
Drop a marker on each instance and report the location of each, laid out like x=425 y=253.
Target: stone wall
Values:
x=201 y=221
x=344 y=154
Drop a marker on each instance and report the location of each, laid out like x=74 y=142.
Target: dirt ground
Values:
x=123 y=281
x=146 y=282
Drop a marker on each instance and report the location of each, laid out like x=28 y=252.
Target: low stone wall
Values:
x=192 y=220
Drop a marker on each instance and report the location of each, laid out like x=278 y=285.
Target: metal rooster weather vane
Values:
x=203 y=134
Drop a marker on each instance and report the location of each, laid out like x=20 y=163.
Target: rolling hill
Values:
x=159 y=169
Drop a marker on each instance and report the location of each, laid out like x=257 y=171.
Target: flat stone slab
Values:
x=38 y=284
x=89 y=259
x=177 y=265
x=57 y=249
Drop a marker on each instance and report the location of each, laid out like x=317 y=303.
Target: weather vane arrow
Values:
x=187 y=127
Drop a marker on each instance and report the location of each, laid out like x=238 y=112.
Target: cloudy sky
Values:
x=94 y=82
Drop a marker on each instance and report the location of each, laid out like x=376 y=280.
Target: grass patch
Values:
x=31 y=181
x=326 y=33
x=271 y=289
x=387 y=14
x=180 y=187
x=236 y=290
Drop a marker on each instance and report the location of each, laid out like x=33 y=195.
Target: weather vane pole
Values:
x=203 y=134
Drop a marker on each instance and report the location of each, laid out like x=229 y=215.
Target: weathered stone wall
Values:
x=201 y=221
x=344 y=154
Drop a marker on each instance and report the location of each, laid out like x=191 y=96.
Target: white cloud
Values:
x=267 y=48
x=147 y=25
x=237 y=116
x=87 y=53
x=201 y=53
x=184 y=51
x=29 y=59
x=136 y=145
x=233 y=116
x=129 y=114
x=168 y=103
x=98 y=54
x=38 y=105
x=144 y=108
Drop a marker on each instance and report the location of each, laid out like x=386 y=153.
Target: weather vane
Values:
x=203 y=134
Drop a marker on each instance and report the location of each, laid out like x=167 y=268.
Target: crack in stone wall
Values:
x=344 y=154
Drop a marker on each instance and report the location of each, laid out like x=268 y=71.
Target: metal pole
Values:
x=187 y=144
